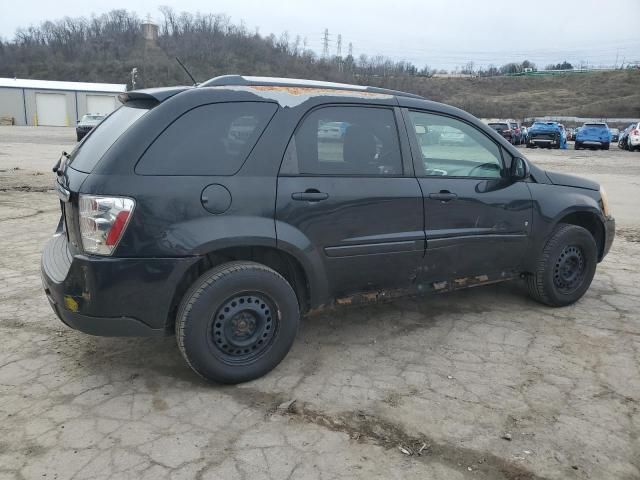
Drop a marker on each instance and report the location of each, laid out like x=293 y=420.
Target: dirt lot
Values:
x=451 y=375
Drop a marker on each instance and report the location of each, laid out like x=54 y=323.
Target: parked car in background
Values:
x=570 y=133
x=547 y=135
x=172 y=222
x=615 y=134
x=633 y=138
x=87 y=123
x=504 y=129
x=593 y=135
x=517 y=133
x=624 y=137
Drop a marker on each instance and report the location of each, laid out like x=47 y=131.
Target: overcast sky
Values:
x=440 y=33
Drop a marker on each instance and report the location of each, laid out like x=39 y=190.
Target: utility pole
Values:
x=339 y=47
x=350 y=49
x=134 y=77
x=616 y=65
x=325 y=43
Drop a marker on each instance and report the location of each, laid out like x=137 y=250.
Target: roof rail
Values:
x=249 y=81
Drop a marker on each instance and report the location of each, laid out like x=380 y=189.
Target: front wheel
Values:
x=237 y=322
x=565 y=267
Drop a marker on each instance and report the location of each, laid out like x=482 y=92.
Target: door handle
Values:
x=443 y=196
x=310 y=195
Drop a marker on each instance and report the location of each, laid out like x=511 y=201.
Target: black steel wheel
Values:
x=565 y=267
x=569 y=269
x=237 y=322
x=244 y=327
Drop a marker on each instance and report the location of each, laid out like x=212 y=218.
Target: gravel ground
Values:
x=449 y=375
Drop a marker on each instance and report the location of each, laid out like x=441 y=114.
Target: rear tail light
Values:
x=103 y=221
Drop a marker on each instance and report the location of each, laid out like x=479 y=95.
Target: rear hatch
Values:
x=594 y=132
x=73 y=169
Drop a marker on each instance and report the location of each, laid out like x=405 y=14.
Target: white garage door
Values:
x=101 y=104
x=51 y=109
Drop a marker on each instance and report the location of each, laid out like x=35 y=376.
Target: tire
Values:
x=605 y=146
x=264 y=309
x=577 y=146
x=79 y=136
x=553 y=282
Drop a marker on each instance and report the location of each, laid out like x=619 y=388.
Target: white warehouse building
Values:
x=45 y=102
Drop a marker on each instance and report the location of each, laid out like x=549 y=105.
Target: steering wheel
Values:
x=486 y=166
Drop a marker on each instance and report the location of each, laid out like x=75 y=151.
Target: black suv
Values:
x=223 y=212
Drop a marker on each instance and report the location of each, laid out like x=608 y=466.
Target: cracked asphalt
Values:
x=445 y=376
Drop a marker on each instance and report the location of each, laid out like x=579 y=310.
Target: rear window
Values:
x=595 y=125
x=499 y=126
x=89 y=152
x=212 y=139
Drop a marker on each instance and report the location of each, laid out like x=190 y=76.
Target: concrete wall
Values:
x=14 y=102
x=12 y=105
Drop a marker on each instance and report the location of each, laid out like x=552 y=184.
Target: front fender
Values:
x=553 y=203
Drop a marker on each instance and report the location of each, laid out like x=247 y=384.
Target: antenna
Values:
x=187 y=71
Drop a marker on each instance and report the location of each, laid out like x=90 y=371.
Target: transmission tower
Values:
x=339 y=46
x=350 y=49
x=325 y=43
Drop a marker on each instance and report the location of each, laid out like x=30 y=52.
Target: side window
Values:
x=345 y=141
x=452 y=148
x=212 y=139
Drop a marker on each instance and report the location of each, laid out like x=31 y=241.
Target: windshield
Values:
x=88 y=152
x=499 y=126
x=538 y=125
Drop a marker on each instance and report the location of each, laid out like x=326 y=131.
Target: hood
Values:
x=567 y=180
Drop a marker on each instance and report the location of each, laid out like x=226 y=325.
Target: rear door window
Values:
x=212 y=139
x=89 y=152
x=345 y=140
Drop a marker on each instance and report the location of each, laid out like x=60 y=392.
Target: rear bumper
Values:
x=593 y=143
x=111 y=296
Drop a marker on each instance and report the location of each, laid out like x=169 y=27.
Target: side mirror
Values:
x=519 y=169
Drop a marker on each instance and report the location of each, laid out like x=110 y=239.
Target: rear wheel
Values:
x=565 y=268
x=605 y=146
x=577 y=146
x=237 y=322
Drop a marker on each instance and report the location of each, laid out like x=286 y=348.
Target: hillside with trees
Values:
x=107 y=47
